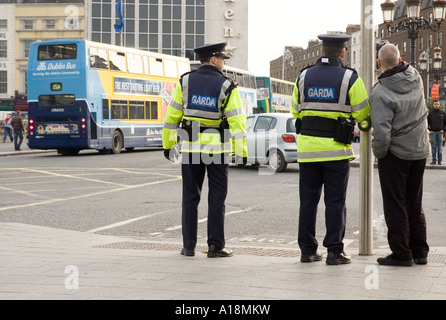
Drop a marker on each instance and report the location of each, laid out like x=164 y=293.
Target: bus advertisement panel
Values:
x=274 y=95
x=88 y=95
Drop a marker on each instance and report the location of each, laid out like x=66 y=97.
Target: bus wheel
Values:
x=68 y=152
x=117 y=142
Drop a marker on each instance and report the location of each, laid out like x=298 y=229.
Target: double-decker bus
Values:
x=274 y=95
x=89 y=95
x=246 y=84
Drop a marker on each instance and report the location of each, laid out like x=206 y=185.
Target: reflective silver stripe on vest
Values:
x=344 y=87
x=233 y=113
x=224 y=88
x=208 y=148
x=301 y=90
x=359 y=107
x=176 y=105
x=172 y=126
x=325 y=154
x=202 y=114
x=199 y=113
x=185 y=86
x=321 y=106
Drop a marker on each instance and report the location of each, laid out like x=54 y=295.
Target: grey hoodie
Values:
x=399 y=115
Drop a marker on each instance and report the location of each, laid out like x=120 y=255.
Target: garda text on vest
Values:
x=204 y=102
x=321 y=93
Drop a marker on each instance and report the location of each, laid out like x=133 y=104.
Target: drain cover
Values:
x=157 y=246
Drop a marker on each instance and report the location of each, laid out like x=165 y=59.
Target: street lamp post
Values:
x=414 y=23
x=425 y=67
x=437 y=68
x=287 y=55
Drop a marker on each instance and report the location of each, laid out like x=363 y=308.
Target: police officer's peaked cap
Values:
x=334 y=40
x=212 y=50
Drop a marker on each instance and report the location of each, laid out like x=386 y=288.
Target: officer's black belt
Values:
x=319 y=127
x=192 y=128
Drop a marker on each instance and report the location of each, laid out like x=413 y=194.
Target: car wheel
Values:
x=276 y=161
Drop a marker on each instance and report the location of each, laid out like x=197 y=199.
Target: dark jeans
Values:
x=18 y=139
x=402 y=193
x=437 y=146
x=7 y=132
x=333 y=176
x=193 y=178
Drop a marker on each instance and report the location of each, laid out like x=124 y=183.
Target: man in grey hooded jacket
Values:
x=401 y=144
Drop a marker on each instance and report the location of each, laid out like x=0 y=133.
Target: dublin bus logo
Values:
x=41 y=67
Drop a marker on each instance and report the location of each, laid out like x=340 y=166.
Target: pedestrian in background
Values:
x=437 y=126
x=210 y=111
x=17 y=125
x=328 y=98
x=7 y=128
x=401 y=144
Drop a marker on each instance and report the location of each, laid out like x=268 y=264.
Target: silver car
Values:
x=271 y=140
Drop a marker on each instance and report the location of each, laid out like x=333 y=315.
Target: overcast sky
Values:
x=274 y=24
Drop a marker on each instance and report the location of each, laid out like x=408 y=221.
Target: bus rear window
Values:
x=52 y=100
x=57 y=51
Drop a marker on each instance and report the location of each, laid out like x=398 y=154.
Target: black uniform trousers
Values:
x=402 y=193
x=333 y=177
x=193 y=172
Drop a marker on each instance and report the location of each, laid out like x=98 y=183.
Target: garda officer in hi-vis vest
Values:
x=328 y=98
x=206 y=114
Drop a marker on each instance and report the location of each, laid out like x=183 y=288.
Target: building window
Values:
x=195 y=25
x=49 y=24
x=3 y=49
x=101 y=26
x=421 y=43
x=440 y=38
x=25 y=47
x=28 y=24
x=430 y=41
x=404 y=47
x=3 y=24
x=3 y=82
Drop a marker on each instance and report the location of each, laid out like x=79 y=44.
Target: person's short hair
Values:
x=389 y=56
x=333 y=52
x=205 y=60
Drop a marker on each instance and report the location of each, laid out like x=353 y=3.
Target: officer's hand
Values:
x=167 y=154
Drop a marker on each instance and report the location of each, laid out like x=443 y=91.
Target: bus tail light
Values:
x=83 y=120
x=288 y=138
x=31 y=124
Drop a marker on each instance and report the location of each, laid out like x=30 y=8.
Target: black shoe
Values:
x=187 y=252
x=311 y=258
x=391 y=261
x=214 y=253
x=433 y=162
x=439 y=163
x=338 y=258
x=420 y=260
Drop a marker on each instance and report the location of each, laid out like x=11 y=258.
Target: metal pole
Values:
x=366 y=160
